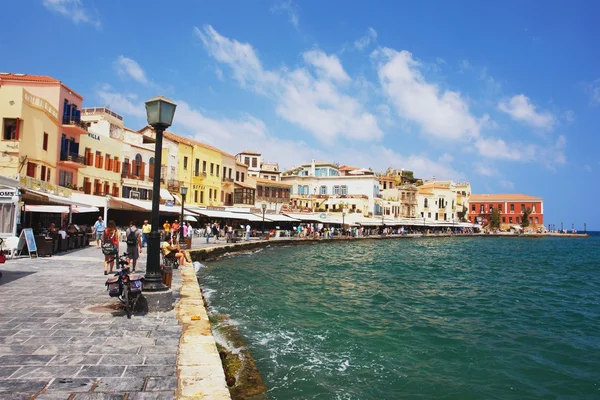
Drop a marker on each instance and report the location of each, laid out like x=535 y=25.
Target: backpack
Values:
x=132 y=237
x=108 y=248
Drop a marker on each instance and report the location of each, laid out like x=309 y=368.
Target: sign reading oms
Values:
x=6 y=193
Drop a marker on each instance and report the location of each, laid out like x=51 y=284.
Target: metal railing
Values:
x=74 y=157
x=68 y=120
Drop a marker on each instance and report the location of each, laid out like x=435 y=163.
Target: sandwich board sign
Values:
x=27 y=238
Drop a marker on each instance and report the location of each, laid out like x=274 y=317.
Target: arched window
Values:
x=151 y=168
x=138 y=165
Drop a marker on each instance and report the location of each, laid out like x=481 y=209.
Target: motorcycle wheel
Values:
x=126 y=296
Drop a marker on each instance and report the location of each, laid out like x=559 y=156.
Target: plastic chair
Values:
x=9 y=247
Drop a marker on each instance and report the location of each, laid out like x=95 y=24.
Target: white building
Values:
x=319 y=186
x=257 y=168
x=436 y=200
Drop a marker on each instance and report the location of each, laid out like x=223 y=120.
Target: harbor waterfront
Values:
x=446 y=317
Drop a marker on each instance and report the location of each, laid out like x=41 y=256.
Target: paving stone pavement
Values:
x=55 y=344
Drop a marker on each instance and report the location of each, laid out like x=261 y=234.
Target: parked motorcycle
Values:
x=126 y=286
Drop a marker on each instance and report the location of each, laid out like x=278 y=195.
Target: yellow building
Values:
x=29 y=141
x=199 y=168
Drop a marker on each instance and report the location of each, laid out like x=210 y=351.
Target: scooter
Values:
x=126 y=286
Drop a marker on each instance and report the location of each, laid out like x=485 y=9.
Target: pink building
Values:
x=70 y=127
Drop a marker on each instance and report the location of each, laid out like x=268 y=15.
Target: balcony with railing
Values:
x=71 y=160
x=74 y=125
x=174 y=185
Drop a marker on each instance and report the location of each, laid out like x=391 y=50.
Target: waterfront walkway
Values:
x=62 y=336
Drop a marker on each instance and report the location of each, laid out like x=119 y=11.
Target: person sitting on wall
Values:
x=172 y=251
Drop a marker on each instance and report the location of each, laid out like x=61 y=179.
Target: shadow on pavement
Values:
x=9 y=276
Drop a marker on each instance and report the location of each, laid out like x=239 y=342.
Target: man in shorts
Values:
x=99 y=228
x=133 y=236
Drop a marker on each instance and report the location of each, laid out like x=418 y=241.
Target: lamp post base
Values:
x=159 y=301
x=153 y=277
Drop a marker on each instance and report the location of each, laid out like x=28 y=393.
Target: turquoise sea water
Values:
x=459 y=318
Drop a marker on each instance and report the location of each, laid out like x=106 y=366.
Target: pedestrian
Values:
x=207 y=232
x=215 y=231
x=110 y=246
x=167 y=227
x=175 y=231
x=133 y=237
x=146 y=229
x=247 y=232
x=99 y=228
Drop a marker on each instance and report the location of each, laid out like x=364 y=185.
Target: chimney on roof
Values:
x=312 y=168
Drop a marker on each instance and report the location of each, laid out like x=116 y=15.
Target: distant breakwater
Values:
x=215 y=252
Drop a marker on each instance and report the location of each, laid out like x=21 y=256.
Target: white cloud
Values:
x=72 y=9
x=464 y=65
x=328 y=67
x=587 y=168
x=129 y=67
x=520 y=108
x=121 y=103
x=288 y=7
x=508 y=185
x=593 y=89
x=550 y=156
x=382 y=157
x=314 y=102
x=440 y=114
x=364 y=41
x=219 y=73
x=485 y=170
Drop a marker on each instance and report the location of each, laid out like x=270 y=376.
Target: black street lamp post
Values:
x=343 y=222
x=561 y=227
x=423 y=224
x=160 y=111
x=584 y=227
x=263 y=206
x=183 y=190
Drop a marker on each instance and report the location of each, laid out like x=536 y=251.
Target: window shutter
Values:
x=17 y=129
x=142 y=172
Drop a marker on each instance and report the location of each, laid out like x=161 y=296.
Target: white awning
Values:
x=166 y=195
x=51 y=198
x=278 y=218
x=47 y=209
x=226 y=214
x=80 y=210
x=304 y=217
x=90 y=199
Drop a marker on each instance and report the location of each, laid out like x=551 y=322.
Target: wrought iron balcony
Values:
x=73 y=157
x=73 y=121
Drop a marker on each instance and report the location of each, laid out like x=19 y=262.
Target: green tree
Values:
x=495 y=218
x=525 y=217
x=461 y=215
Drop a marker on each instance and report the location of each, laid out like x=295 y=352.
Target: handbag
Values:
x=2 y=257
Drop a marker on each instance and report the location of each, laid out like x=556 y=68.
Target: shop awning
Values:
x=304 y=217
x=49 y=198
x=278 y=218
x=47 y=209
x=166 y=195
x=227 y=214
x=59 y=209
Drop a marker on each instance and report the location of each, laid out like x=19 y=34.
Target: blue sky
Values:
x=504 y=95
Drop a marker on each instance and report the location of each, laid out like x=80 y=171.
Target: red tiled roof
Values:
x=503 y=197
x=27 y=78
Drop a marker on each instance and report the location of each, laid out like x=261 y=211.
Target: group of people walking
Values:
x=107 y=238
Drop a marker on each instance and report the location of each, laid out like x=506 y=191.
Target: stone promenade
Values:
x=63 y=337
